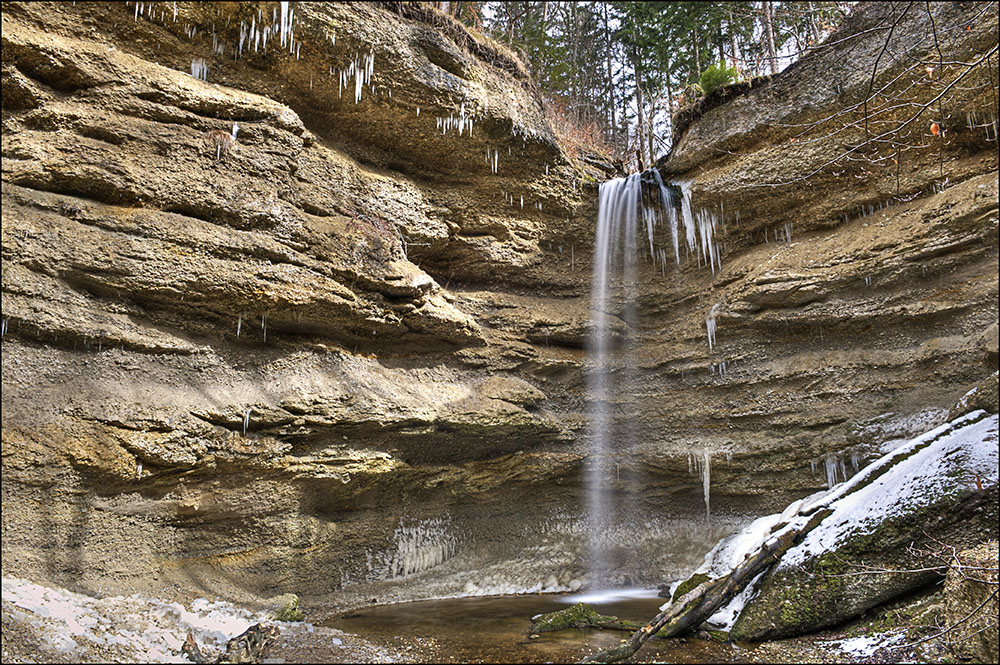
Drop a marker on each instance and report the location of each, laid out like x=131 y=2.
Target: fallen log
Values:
x=696 y=606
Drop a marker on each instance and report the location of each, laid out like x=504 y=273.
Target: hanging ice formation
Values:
x=463 y=123
x=699 y=229
x=841 y=465
x=199 y=69
x=710 y=325
x=421 y=545
x=360 y=67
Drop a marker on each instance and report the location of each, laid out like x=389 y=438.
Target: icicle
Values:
x=830 y=464
x=246 y=421
x=236 y=128
x=199 y=69
x=706 y=481
x=710 y=325
x=239 y=325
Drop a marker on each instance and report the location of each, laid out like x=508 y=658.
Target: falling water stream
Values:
x=628 y=208
x=623 y=204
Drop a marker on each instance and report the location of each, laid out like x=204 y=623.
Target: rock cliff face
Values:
x=343 y=354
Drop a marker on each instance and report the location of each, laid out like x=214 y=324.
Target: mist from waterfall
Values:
x=623 y=204
x=637 y=219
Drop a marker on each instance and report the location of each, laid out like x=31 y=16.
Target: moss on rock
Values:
x=821 y=593
x=580 y=615
x=688 y=584
x=288 y=608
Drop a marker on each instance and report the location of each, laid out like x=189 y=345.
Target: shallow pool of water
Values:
x=495 y=629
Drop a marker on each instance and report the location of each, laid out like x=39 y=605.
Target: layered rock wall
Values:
x=347 y=357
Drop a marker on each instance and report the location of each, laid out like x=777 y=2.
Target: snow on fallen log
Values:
x=909 y=476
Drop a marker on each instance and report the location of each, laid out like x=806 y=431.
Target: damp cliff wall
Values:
x=343 y=358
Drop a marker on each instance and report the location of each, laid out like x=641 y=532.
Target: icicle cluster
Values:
x=421 y=545
x=699 y=229
x=841 y=465
x=360 y=68
x=199 y=69
x=463 y=123
x=702 y=465
x=983 y=120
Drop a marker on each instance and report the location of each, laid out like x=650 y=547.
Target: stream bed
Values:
x=494 y=629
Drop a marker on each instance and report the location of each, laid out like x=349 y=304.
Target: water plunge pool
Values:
x=494 y=629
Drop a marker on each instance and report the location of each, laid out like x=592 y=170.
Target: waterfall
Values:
x=622 y=205
x=636 y=215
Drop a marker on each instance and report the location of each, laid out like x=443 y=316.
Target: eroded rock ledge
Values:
x=344 y=359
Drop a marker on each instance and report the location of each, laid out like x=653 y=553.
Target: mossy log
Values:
x=580 y=615
x=697 y=605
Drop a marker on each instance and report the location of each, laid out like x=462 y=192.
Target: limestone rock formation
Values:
x=346 y=356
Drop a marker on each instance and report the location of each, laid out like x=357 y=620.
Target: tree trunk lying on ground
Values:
x=697 y=605
x=580 y=615
x=963 y=435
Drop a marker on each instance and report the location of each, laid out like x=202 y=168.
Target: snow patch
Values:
x=924 y=469
x=866 y=646
x=140 y=628
x=955 y=454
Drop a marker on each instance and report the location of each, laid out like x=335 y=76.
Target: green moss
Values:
x=689 y=584
x=720 y=636
x=289 y=610
x=580 y=616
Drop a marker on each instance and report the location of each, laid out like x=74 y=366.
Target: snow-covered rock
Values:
x=941 y=486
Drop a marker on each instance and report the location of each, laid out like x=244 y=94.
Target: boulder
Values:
x=874 y=546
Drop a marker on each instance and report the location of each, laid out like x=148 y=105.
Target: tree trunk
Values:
x=813 y=24
x=670 y=105
x=697 y=605
x=611 y=80
x=641 y=120
x=649 y=129
x=575 y=90
x=769 y=31
x=697 y=59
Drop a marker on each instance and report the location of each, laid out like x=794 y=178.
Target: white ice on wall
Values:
x=702 y=465
x=199 y=69
x=710 y=325
x=933 y=464
x=420 y=545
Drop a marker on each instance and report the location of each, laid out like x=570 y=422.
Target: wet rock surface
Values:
x=346 y=346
